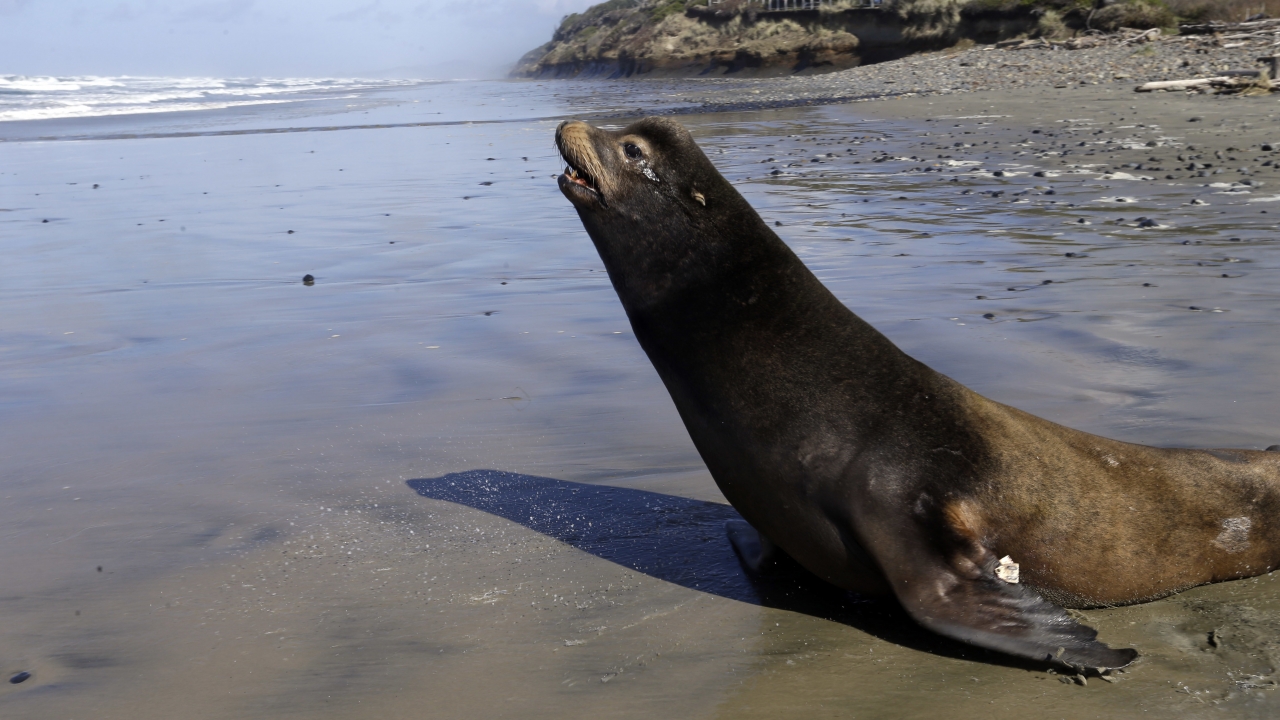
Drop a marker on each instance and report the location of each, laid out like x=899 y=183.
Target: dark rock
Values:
x=20 y=677
x=307 y=280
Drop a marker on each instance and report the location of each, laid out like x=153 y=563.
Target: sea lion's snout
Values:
x=584 y=180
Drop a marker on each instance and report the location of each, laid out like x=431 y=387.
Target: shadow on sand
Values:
x=681 y=541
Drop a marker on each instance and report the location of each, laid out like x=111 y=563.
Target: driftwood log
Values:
x=1212 y=28
x=1246 y=82
x=1181 y=84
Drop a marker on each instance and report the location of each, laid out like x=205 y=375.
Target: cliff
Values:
x=622 y=38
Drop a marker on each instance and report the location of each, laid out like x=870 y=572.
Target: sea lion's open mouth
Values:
x=580 y=183
x=581 y=178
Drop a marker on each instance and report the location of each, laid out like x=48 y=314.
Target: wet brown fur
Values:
x=1094 y=521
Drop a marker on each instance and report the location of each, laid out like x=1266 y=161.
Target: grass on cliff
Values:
x=666 y=10
x=1058 y=17
x=1224 y=10
x=1138 y=14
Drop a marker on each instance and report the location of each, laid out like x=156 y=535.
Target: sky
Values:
x=274 y=38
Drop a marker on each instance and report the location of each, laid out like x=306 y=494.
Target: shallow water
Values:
x=229 y=494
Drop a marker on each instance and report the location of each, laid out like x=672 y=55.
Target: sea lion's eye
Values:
x=631 y=150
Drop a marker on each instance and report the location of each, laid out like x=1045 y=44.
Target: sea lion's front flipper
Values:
x=981 y=609
x=758 y=554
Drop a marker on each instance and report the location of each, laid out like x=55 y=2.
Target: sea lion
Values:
x=868 y=468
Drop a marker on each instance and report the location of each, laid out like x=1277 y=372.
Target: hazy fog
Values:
x=295 y=38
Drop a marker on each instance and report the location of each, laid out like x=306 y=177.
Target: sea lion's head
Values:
x=660 y=214
x=630 y=167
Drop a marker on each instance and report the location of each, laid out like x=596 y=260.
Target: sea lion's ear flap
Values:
x=700 y=198
x=1006 y=616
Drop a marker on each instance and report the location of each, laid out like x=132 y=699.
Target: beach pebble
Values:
x=20 y=677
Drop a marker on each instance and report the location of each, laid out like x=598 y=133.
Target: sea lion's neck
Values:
x=755 y=301
x=687 y=272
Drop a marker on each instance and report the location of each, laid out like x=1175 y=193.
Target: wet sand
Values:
x=444 y=481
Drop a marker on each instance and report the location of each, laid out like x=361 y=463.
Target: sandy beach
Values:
x=444 y=481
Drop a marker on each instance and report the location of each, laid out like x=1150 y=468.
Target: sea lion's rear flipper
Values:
x=986 y=611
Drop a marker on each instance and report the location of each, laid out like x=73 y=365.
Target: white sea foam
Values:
x=41 y=98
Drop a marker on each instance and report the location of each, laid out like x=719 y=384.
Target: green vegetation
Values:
x=665 y=10
x=1115 y=14
x=1223 y=10
x=1139 y=14
x=592 y=16
x=1059 y=6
